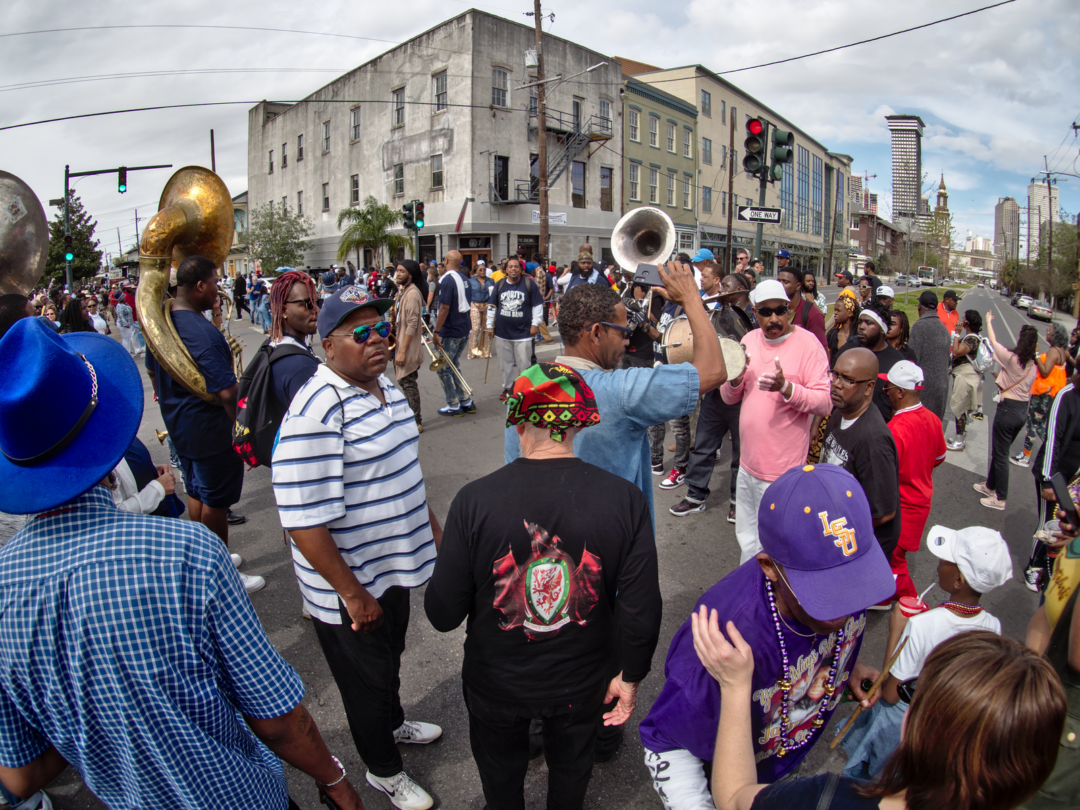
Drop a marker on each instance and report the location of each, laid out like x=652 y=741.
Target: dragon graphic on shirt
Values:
x=547 y=591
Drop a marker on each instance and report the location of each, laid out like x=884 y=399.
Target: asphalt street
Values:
x=694 y=552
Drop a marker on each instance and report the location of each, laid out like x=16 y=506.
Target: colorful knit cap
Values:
x=553 y=396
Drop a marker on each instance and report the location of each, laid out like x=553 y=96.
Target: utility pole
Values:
x=730 y=193
x=1050 y=235
x=541 y=127
x=213 y=158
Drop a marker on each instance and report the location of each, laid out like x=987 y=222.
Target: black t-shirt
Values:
x=875 y=282
x=887 y=358
x=835 y=349
x=972 y=341
x=544 y=557
x=867 y=450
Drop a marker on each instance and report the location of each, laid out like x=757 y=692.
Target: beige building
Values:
x=813 y=194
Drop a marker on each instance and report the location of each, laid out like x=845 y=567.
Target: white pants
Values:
x=748 y=494
x=679 y=780
x=125 y=337
x=513 y=353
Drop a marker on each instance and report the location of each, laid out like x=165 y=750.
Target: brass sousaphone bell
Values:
x=24 y=236
x=194 y=218
x=643 y=236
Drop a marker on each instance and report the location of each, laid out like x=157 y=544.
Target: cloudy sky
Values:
x=997 y=90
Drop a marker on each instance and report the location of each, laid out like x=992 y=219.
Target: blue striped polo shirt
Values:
x=345 y=461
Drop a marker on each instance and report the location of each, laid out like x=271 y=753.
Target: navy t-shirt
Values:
x=291 y=372
x=197 y=428
x=514 y=307
x=457 y=324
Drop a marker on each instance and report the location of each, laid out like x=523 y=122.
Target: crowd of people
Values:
x=130 y=650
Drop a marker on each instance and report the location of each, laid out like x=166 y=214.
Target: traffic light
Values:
x=69 y=253
x=754 y=146
x=407 y=219
x=121 y=180
x=782 y=152
x=419 y=215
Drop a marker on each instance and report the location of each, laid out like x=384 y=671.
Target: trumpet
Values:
x=443 y=360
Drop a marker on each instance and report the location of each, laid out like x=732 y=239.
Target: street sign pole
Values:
x=67 y=225
x=761 y=192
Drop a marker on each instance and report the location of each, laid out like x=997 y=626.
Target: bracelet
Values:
x=340 y=779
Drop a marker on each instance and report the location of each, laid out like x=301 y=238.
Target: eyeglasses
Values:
x=307 y=302
x=768 y=312
x=361 y=333
x=626 y=330
x=906 y=689
x=845 y=382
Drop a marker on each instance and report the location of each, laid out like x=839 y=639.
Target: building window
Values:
x=802 y=198
x=326 y=136
x=577 y=105
x=671 y=189
x=816 y=197
x=354 y=123
x=787 y=196
x=438 y=90
x=654 y=181
x=300 y=203
x=325 y=196
x=399 y=179
x=534 y=105
x=354 y=190
x=706 y=200
x=706 y=103
x=502 y=177
x=686 y=242
x=605 y=116
x=534 y=176
x=723 y=156
x=723 y=203
x=723 y=111
x=671 y=138
x=577 y=184
x=635 y=172
x=271 y=162
x=635 y=123
x=499 y=83
x=436 y=171
x=706 y=151
x=299 y=148
x=686 y=202
x=285 y=204
x=284 y=155
x=654 y=131
x=688 y=143
x=397 y=111
x=854 y=223
x=606 y=203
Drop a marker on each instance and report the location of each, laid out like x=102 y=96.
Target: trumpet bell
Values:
x=643 y=236
x=162 y=435
x=24 y=236
x=437 y=365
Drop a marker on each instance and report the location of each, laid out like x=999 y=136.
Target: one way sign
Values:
x=751 y=213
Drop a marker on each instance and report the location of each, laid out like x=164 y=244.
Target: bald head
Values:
x=453 y=260
x=853 y=379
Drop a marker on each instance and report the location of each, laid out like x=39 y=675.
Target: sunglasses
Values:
x=906 y=689
x=768 y=312
x=626 y=330
x=361 y=333
x=307 y=302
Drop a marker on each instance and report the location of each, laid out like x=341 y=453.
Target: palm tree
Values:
x=369 y=228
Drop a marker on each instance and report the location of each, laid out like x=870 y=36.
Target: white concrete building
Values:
x=441 y=119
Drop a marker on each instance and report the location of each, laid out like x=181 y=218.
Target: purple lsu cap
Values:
x=815 y=521
x=344 y=302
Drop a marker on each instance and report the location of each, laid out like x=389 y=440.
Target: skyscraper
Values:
x=1006 y=229
x=1042 y=208
x=906 y=164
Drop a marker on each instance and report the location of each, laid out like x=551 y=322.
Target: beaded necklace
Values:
x=962 y=609
x=786 y=744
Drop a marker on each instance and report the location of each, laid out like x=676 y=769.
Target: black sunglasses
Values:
x=307 y=302
x=361 y=333
x=626 y=330
x=768 y=312
x=906 y=689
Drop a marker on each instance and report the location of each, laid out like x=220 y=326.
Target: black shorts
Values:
x=215 y=481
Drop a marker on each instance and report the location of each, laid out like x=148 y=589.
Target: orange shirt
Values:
x=950 y=319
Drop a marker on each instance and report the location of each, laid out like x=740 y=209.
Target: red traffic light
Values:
x=754 y=126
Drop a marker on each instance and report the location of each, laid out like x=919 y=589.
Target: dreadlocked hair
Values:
x=279 y=291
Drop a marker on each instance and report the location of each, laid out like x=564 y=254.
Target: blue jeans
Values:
x=455 y=394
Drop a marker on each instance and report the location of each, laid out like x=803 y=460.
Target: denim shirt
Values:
x=480 y=292
x=630 y=401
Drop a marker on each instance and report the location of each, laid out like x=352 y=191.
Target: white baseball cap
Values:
x=981 y=554
x=904 y=374
x=768 y=290
x=886 y=291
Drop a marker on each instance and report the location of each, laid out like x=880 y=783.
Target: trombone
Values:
x=441 y=362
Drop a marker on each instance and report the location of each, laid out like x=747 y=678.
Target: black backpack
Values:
x=258 y=410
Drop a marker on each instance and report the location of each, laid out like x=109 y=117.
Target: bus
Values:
x=927 y=276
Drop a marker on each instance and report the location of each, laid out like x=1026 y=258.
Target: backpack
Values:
x=983 y=359
x=258 y=410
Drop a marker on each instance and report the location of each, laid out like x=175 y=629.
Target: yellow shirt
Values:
x=497 y=275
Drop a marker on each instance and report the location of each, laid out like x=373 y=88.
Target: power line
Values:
x=156 y=73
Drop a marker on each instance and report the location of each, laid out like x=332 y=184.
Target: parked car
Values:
x=1041 y=310
x=1024 y=301
x=1016 y=298
x=980 y=284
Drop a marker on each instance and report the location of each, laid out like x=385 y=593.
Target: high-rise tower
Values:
x=906 y=164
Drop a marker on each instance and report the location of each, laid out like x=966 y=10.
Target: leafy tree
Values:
x=276 y=237
x=369 y=228
x=87 y=260
x=1055 y=274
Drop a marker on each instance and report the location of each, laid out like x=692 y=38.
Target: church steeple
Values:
x=942 y=196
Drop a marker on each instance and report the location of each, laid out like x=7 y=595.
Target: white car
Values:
x=980 y=284
x=1023 y=302
x=1042 y=311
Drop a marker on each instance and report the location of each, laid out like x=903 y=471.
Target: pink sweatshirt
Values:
x=775 y=433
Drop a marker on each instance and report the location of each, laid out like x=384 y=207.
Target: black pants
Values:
x=366 y=668
x=715 y=419
x=499 y=734
x=1009 y=420
x=240 y=306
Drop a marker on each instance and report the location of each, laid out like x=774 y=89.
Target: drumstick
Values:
x=869 y=695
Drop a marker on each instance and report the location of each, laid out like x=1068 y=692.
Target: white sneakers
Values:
x=402 y=791
x=252 y=583
x=412 y=731
x=237 y=560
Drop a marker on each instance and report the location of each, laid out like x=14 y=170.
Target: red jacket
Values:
x=814 y=321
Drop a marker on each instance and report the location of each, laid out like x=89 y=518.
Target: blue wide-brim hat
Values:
x=56 y=441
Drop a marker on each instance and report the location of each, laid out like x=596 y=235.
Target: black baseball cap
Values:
x=929 y=298
x=950 y=294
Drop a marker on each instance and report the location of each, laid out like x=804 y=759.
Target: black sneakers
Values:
x=685 y=507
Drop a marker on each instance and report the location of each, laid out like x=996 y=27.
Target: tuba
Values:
x=24 y=236
x=194 y=218
x=643 y=236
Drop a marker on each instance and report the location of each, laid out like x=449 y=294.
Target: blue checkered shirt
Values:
x=128 y=643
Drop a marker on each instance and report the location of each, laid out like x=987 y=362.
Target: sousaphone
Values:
x=194 y=218
x=24 y=236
